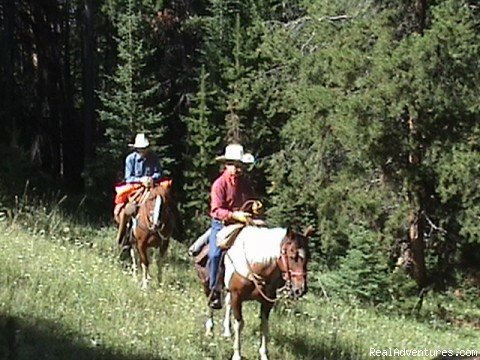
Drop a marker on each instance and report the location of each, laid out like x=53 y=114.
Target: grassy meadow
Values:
x=64 y=299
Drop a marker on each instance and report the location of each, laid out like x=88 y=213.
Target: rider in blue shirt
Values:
x=142 y=165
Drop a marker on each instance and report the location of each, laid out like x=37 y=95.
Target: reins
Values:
x=257 y=286
x=287 y=275
x=255 y=278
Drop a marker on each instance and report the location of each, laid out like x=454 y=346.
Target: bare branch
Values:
x=307 y=43
x=297 y=22
x=335 y=18
x=433 y=226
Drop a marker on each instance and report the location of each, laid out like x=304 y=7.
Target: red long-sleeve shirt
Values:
x=228 y=194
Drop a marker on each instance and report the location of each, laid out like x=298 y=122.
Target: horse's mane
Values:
x=148 y=204
x=301 y=239
x=159 y=190
x=262 y=243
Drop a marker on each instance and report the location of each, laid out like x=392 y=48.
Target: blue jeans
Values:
x=214 y=253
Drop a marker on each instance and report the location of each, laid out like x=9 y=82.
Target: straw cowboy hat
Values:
x=141 y=142
x=234 y=152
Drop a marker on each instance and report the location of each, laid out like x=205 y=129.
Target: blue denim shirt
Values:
x=136 y=167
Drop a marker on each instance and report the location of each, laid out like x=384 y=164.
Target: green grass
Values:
x=62 y=299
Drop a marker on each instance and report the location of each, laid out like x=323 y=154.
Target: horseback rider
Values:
x=229 y=191
x=142 y=170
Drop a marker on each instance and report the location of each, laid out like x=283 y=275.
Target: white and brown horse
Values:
x=260 y=262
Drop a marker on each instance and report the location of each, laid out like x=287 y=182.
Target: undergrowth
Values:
x=61 y=276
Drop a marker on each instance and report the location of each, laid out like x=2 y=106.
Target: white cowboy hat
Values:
x=141 y=142
x=234 y=152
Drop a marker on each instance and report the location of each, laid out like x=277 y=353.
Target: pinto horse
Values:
x=260 y=262
x=152 y=228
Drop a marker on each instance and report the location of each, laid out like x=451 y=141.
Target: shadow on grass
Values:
x=45 y=340
x=311 y=348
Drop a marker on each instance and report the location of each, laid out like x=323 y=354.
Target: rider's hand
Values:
x=240 y=216
x=257 y=207
x=147 y=181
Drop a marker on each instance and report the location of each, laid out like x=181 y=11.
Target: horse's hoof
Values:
x=227 y=334
x=209 y=333
x=236 y=356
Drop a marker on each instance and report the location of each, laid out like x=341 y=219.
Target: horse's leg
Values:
x=237 y=325
x=133 y=256
x=160 y=262
x=144 y=276
x=264 y=314
x=142 y=252
x=226 y=320
x=209 y=323
x=148 y=255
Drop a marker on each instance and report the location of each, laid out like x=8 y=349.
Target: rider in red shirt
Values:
x=229 y=192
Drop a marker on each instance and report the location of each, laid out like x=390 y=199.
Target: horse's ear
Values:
x=309 y=231
x=290 y=233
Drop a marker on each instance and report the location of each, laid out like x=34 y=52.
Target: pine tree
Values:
x=201 y=141
x=373 y=98
x=246 y=108
x=130 y=99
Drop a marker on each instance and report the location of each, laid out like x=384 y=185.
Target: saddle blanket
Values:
x=227 y=235
x=124 y=190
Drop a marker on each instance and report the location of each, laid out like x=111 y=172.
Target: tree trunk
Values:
x=421 y=15
x=416 y=239
x=46 y=39
x=8 y=14
x=416 y=200
x=72 y=135
x=88 y=84
x=416 y=188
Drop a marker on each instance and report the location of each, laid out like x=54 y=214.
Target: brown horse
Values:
x=260 y=262
x=151 y=228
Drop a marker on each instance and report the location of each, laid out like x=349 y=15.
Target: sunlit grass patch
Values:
x=83 y=297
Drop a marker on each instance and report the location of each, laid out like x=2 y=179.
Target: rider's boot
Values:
x=216 y=296
x=124 y=218
x=122 y=226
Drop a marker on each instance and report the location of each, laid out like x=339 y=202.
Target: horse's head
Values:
x=293 y=261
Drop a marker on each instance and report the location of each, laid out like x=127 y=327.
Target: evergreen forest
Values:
x=363 y=116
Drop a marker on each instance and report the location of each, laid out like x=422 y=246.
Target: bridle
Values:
x=287 y=273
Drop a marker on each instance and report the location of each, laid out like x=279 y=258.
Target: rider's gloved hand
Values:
x=146 y=181
x=257 y=207
x=240 y=216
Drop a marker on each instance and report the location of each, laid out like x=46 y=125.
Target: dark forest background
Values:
x=363 y=115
